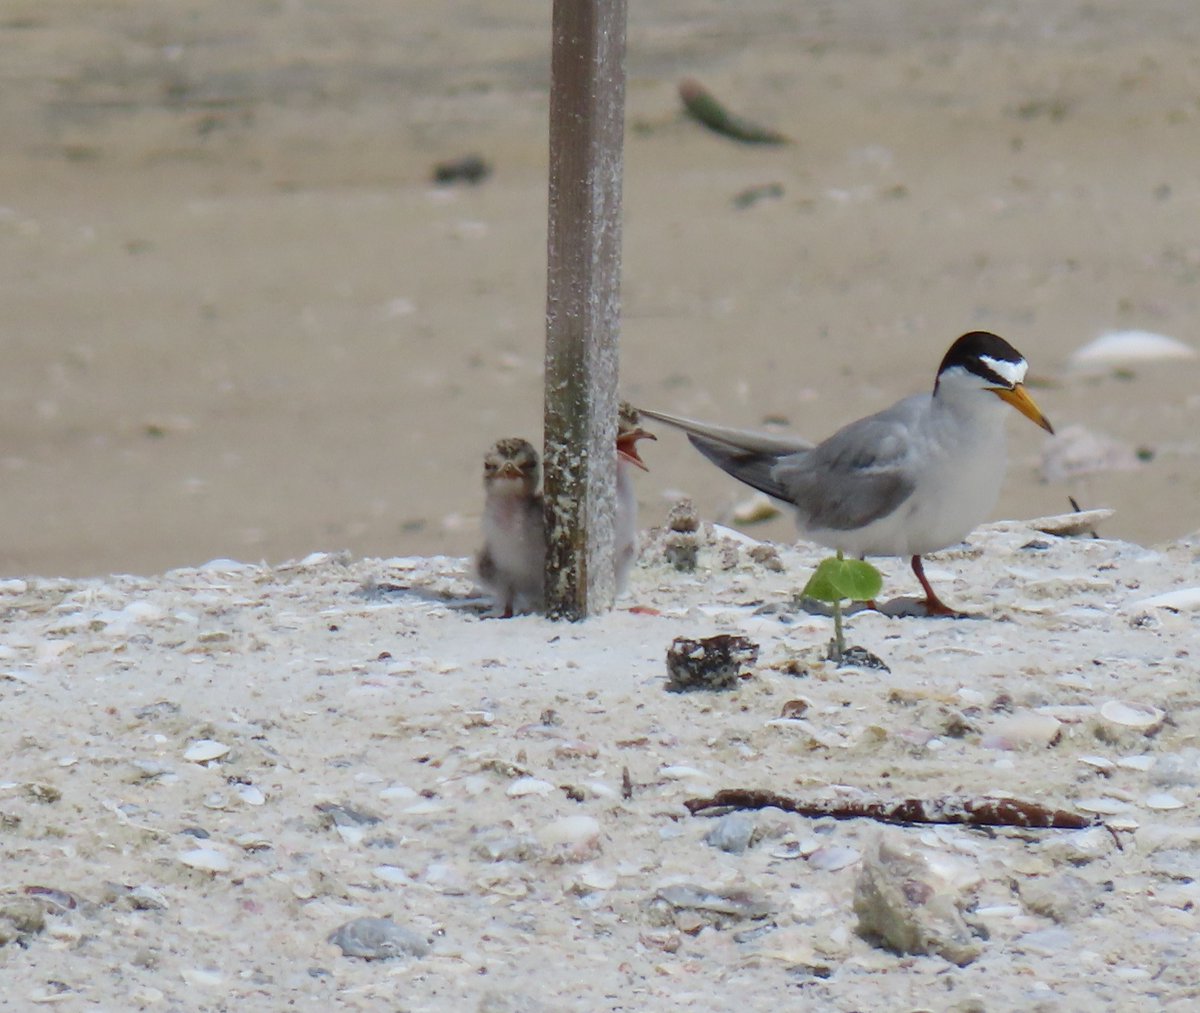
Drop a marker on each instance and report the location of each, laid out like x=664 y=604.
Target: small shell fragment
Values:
x=1162 y=801
x=577 y=834
x=1098 y=763
x=1141 y=716
x=205 y=859
x=1102 y=805
x=204 y=750
x=523 y=786
x=1080 y=522
x=833 y=858
x=755 y=509
x=1185 y=599
x=250 y=794
x=1141 y=762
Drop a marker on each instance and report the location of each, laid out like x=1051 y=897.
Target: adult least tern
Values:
x=909 y=480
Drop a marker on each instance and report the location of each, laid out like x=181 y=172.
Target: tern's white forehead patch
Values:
x=1009 y=371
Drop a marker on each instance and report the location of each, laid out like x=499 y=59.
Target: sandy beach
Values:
x=253 y=358
x=211 y=771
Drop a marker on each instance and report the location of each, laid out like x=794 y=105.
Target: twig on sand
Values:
x=977 y=812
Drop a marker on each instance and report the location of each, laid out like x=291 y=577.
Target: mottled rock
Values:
x=906 y=904
x=378 y=939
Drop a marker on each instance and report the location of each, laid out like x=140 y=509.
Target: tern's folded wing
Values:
x=856 y=477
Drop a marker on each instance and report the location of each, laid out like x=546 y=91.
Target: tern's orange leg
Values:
x=933 y=604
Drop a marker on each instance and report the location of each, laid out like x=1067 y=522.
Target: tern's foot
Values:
x=921 y=608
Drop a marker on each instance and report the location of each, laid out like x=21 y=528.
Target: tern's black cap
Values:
x=972 y=352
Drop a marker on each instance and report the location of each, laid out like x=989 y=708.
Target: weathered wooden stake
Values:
x=587 y=120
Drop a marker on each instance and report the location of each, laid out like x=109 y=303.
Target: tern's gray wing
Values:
x=740 y=439
x=748 y=456
x=859 y=475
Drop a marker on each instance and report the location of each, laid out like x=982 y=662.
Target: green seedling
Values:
x=837 y=579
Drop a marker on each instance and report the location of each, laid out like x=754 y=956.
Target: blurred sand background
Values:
x=240 y=321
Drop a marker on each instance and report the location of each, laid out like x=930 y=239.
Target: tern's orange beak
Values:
x=627 y=446
x=1019 y=398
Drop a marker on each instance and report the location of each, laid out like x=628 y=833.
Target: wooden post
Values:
x=587 y=121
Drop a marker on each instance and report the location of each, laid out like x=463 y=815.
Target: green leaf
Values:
x=838 y=579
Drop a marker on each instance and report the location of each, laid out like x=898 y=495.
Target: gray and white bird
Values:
x=914 y=478
x=629 y=431
x=512 y=562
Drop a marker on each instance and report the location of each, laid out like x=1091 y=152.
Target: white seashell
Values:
x=1122 y=823
x=425 y=807
x=680 y=772
x=596 y=877
x=1100 y=763
x=1186 y=599
x=1162 y=801
x=391 y=874
x=205 y=859
x=204 y=750
x=202 y=977
x=352 y=835
x=834 y=857
x=1141 y=716
x=251 y=795
x=397 y=791
x=1102 y=805
x=222 y=565
x=1123 y=347
x=445 y=879
x=523 y=786
x=216 y=800
x=1077 y=523
x=1142 y=762
x=570 y=831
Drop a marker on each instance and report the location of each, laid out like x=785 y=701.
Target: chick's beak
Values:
x=1019 y=398
x=627 y=446
x=509 y=469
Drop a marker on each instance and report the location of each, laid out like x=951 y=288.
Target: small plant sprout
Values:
x=837 y=579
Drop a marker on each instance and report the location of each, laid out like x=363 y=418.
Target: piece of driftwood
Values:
x=699 y=103
x=976 y=812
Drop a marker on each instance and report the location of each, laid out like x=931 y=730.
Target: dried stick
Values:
x=976 y=812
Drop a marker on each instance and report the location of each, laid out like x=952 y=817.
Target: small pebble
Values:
x=732 y=833
x=378 y=939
